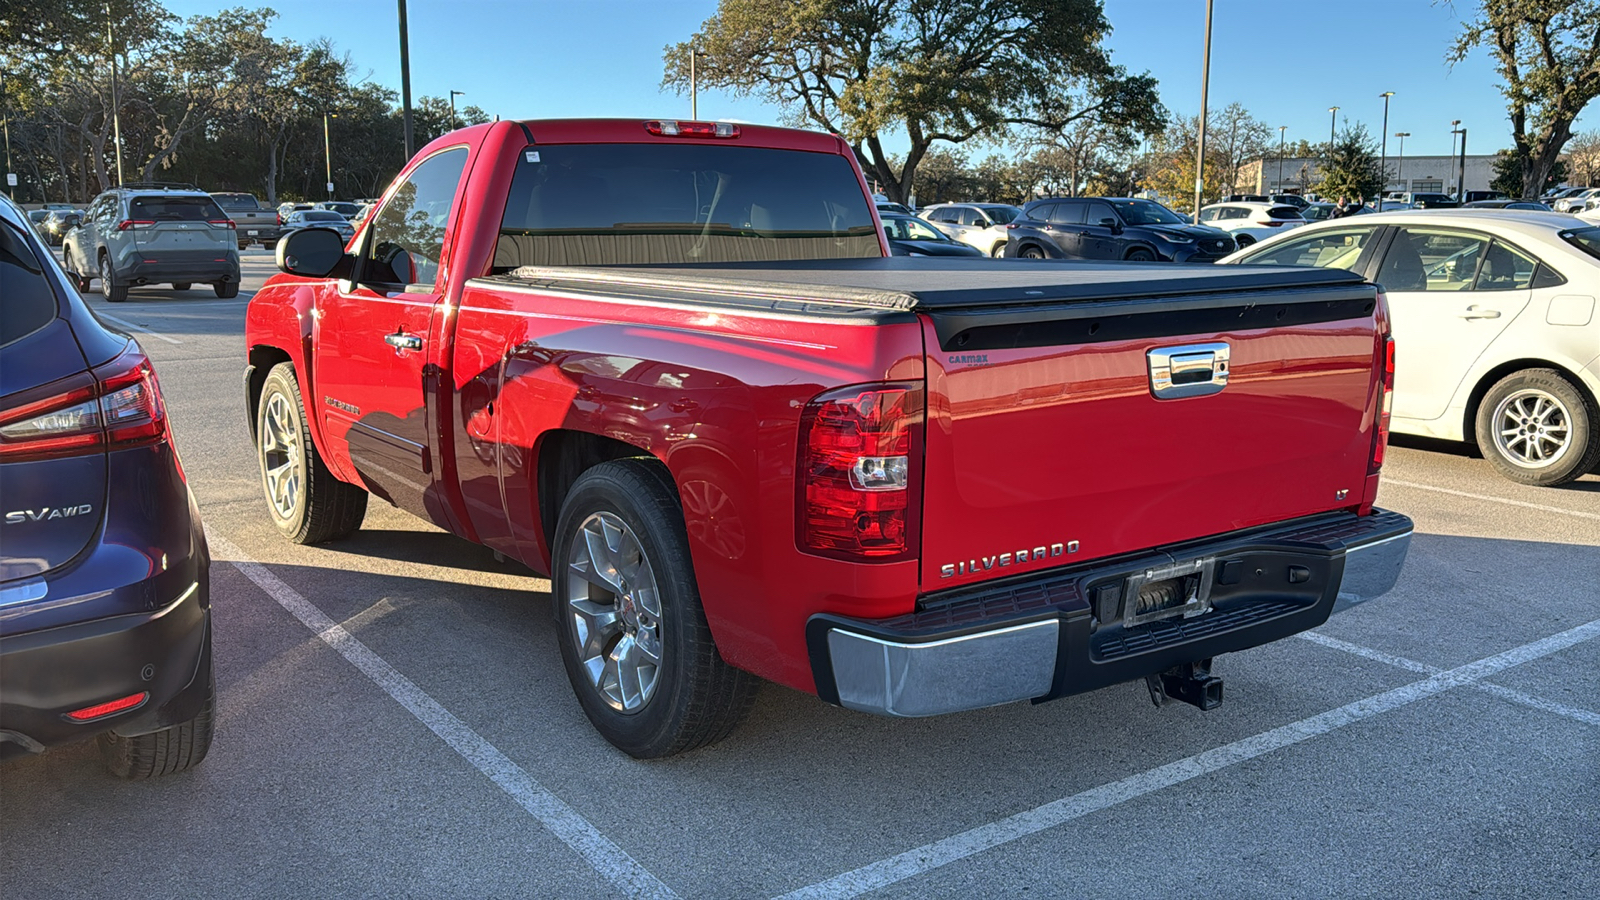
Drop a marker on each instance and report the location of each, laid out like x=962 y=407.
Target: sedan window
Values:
x=1339 y=249
x=1428 y=259
x=1506 y=269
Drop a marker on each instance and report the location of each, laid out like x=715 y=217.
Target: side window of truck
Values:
x=408 y=231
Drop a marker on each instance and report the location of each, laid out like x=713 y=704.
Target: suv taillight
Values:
x=1380 y=437
x=126 y=224
x=121 y=407
x=858 y=453
x=224 y=223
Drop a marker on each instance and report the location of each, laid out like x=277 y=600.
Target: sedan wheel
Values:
x=1536 y=427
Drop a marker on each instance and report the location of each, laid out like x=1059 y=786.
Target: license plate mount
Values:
x=1181 y=589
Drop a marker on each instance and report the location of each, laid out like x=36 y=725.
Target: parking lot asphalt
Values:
x=394 y=721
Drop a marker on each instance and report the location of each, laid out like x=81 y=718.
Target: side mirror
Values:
x=313 y=253
x=1111 y=223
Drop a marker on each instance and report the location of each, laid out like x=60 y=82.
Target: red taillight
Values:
x=225 y=223
x=280 y=220
x=673 y=128
x=125 y=224
x=105 y=709
x=1380 y=437
x=121 y=408
x=857 y=449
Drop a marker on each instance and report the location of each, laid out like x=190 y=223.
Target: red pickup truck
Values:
x=673 y=365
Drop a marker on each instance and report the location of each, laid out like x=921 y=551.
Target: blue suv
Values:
x=105 y=604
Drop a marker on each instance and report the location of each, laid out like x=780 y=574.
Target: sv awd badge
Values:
x=1001 y=560
x=23 y=516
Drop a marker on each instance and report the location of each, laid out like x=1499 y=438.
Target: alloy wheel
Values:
x=1532 y=429
x=280 y=456
x=614 y=609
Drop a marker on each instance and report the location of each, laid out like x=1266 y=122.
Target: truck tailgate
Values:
x=1038 y=456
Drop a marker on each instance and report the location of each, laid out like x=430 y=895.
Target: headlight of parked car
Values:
x=1173 y=238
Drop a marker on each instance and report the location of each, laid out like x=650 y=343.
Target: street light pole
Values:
x=1461 y=172
x=453 y=96
x=116 y=101
x=1383 y=151
x=1401 y=177
x=1281 y=130
x=405 y=80
x=694 y=85
x=327 y=149
x=1200 y=152
x=1455 y=125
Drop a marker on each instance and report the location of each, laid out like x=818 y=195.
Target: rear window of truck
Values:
x=629 y=204
x=237 y=202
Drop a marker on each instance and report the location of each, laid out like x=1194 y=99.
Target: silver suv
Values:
x=151 y=233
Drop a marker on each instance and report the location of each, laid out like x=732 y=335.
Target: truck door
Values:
x=375 y=344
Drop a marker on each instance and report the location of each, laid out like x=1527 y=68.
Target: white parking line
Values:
x=1523 y=503
x=132 y=327
x=923 y=859
x=609 y=860
x=1504 y=693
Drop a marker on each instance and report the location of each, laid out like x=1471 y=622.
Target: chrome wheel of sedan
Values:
x=281 y=456
x=1532 y=428
x=614 y=609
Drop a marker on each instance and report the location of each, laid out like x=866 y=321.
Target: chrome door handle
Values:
x=401 y=341
x=1476 y=312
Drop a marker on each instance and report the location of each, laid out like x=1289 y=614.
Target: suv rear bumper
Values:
x=204 y=271
x=47 y=674
x=1059 y=633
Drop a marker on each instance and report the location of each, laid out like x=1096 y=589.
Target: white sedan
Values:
x=1510 y=358
x=1251 y=222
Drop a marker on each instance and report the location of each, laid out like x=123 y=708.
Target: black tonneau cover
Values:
x=990 y=303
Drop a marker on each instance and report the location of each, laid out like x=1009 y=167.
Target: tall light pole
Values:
x=116 y=100
x=1200 y=152
x=405 y=79
x=327 y=148
x=1383 y=152
x=453 y=96
x=694 y=86
x=1461 y=172
x=1455 y=125
x=1401 y=176
x=1281 y=130
x=1333 y=122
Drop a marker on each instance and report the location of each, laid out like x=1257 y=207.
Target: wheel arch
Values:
x=561 y=456
x=1480 y=389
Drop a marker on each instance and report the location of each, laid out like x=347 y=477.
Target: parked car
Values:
x=1247 y=198
x=1388 y=206
x=1251 y=222
x=1318 y=212
x=253 y=223
x=1471 y=197
x=744 y=444
x=1524 y=205
x=287 y=207
x=344 y=208
x=1294 y=200
x=36 y=220
x=910 y=236
x=981 y=225
x=1575 y=201
x=319 y=218
x=1496 y=313
x=105 y=608
x=58 y=223
x=142 y=234
x=886 y=207
x=1422 y=200
x=1119 y=228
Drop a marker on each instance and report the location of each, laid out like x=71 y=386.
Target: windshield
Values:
x=1146 y=212
x=1002 y=215
x=629 y=204
x=236 y=201
x=911 y=228
x=1585 y=239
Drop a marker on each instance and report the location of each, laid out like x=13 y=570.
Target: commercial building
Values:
x=1422 y=174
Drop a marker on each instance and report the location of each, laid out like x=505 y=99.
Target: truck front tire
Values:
x=308 y=504
x=633 y=635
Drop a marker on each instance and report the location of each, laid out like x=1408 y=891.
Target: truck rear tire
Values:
x=633 y=634
x=1536 y=427
x=307 y=503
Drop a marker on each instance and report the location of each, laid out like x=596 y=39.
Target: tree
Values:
x=949 y=71
x=1548 y=53
x=1510 y=169
x=1583 y=157
x=1240 y=138
x=1172 y=166
x=1352 y=168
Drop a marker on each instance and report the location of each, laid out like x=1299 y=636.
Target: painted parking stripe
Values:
x=1504 y=693
x=1492 y=499
x=928 y=857
x=139 y=328
x=609 y=860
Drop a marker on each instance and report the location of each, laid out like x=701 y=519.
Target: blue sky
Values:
x=538 y=59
